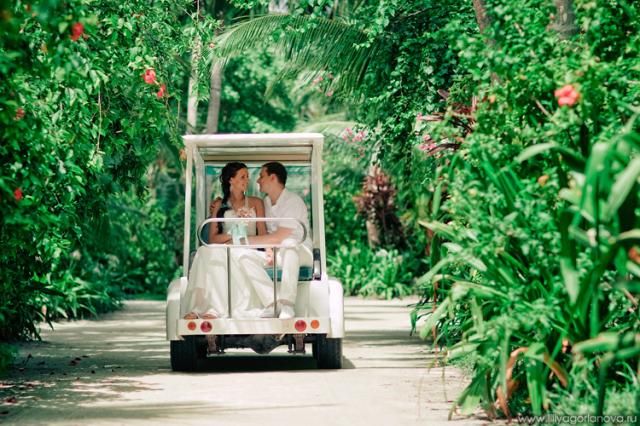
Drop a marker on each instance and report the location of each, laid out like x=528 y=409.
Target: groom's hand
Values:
x=269 y=256
x=214 y=206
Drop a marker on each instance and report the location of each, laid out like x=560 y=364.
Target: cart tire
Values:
x=328 y=352
x=184 y=354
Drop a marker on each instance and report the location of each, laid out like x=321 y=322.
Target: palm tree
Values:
x=317 y=45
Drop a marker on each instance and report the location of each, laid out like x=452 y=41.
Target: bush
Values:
x=79 y=126
x=381 y=273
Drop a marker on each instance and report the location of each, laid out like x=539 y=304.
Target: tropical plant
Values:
x=85 y=104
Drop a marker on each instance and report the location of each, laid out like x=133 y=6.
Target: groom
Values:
x=280 y=203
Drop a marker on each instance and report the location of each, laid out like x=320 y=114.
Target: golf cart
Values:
x=319 y=305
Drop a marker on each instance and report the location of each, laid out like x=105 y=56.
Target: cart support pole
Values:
x=229 y=280
x=275 y=282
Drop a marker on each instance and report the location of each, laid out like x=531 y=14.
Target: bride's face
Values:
x=240 y=181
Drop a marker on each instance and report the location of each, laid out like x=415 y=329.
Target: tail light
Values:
x=206 y=326
x=300 y=325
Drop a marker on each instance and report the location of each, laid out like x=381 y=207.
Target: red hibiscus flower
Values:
x=567 y=95
x=149 y=76
x=17 y=194
x=77 y=30
x=162 y=92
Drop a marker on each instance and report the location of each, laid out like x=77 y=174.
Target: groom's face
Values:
x=264 y=180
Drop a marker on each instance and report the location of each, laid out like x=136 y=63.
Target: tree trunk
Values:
x=373 y=234
x=565 y=23
x=279 y=6
x=213 y=112
x=192 y=100
x=481 y=14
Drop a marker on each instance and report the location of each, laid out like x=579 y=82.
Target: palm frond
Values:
x=327 y=127
x=314 y=44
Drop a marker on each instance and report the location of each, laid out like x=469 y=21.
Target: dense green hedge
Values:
x=533 y=263
x=79 y=125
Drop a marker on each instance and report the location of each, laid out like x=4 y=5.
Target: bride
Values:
x=206 y=294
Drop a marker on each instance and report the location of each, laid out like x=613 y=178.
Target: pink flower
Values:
x=317 y=80
x=17 y=194
x=360 y=136
x=426 y=138
x=426 y=147
x=567 y=95
x=419 y=117
x=77 y=30
x=149 y=76
x=162 y=92
x=330 y=93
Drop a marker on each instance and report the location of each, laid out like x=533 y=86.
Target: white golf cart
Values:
x=319 y=307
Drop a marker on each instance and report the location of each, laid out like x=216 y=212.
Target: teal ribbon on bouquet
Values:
x=238 y=232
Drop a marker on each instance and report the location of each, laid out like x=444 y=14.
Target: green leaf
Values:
x=461 y=349
x=440 y=228
x=541 y=148
x=625 y=182
x=571 y=279
x=604 y=342
x=434 y=318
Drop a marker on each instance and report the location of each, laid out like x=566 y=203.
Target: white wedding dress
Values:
x=207 y=291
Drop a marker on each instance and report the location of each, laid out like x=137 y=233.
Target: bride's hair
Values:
x=228 y=171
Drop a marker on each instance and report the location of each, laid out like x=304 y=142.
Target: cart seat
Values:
x=305 y=274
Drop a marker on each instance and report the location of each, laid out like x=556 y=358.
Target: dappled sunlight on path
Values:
x=116 y=370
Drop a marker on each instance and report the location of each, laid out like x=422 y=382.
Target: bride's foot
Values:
x=191 y=316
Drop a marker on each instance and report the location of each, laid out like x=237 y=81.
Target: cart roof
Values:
x=284 y=147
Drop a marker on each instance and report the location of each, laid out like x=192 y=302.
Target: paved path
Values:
x=116 y=371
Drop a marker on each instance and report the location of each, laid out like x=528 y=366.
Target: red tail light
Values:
x=206 y=326
x=191 y=325
x=315 y=324
x=300 y=325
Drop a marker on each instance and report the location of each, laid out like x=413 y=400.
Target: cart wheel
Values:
x=185 y=354
x=327 y=352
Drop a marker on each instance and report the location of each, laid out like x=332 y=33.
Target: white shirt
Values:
x=290 y=205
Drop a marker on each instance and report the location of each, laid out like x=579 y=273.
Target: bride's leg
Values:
x=207 y=288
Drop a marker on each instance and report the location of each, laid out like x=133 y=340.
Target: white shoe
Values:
x=268 y=312
x=286 y=312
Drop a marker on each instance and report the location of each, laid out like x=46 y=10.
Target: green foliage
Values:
x=79 y=127
x=362 y=270
x=532 y=262
x=344 y=170
x=366 y=272
x=351 y=265
x=244 y=107
x=534 y=257
x=317 y=44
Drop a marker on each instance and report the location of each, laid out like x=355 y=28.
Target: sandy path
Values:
x=115 y=370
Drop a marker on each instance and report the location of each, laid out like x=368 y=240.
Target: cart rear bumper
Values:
x=227 y=326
